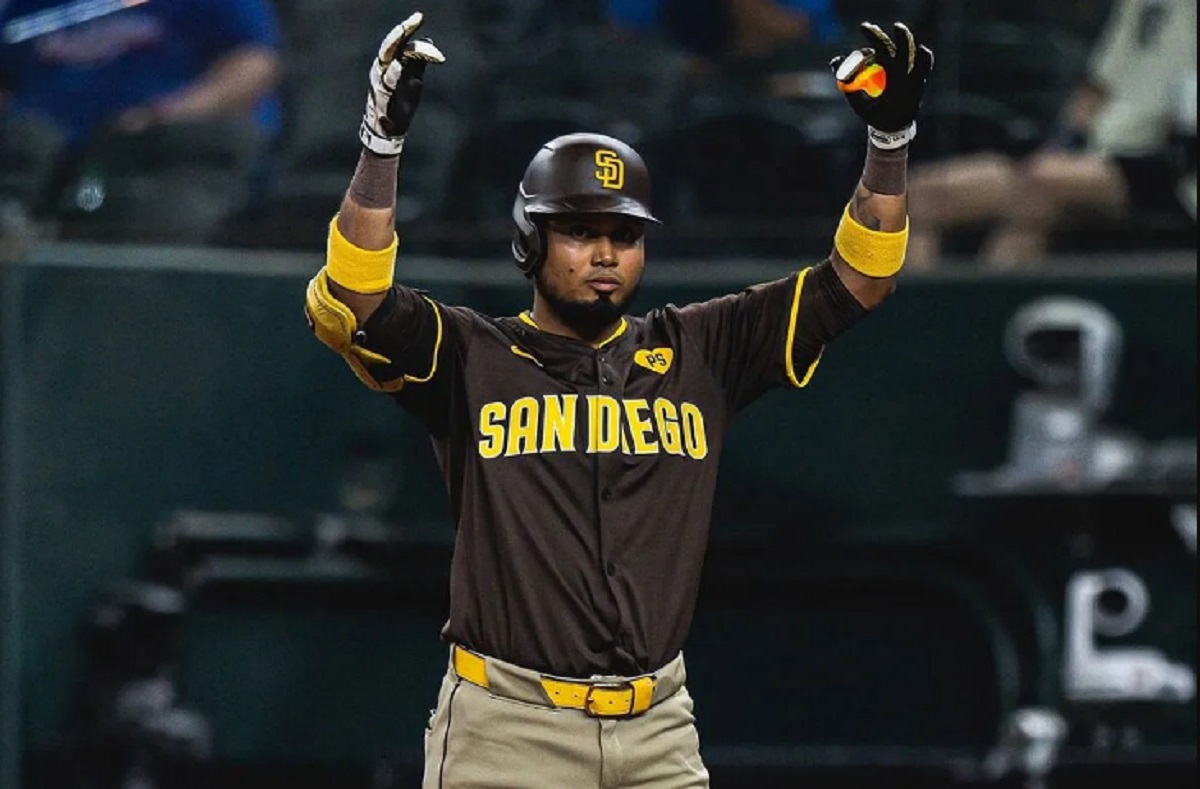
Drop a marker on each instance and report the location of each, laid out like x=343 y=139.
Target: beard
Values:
x=588 y=318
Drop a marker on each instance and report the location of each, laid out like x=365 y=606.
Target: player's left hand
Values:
x=885 y=83
x=397 y=80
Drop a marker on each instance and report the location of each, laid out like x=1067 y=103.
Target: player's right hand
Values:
x=397 y=78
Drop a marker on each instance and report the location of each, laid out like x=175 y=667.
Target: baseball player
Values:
x=579 y=445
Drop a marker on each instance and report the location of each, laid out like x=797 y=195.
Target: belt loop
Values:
x=643 y=694
x=471 y=667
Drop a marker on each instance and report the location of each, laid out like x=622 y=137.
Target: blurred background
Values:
x=223 y=562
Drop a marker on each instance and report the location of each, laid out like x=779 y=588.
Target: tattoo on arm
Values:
x=861 y=210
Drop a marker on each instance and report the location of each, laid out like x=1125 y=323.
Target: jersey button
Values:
x=606 y=380
x=606 y=495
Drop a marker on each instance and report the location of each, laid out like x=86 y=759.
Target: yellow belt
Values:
x=600 y=699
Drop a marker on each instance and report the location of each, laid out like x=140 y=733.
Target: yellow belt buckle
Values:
x=619 y=699
x=609 y=700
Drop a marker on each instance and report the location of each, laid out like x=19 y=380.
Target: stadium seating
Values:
x=740 y=177
x=733 y=173
x=172 y=183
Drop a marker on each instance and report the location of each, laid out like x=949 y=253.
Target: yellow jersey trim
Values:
x=870 y=252
x=437 y=346
x=620 y=330
x=525 y=317
x=360 y=270
x=524 y=355
x=789 y=363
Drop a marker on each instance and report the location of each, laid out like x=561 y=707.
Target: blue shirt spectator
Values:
x=706 y=27
x=84 y=64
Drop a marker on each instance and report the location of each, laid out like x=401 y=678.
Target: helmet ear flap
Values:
x=528 y=246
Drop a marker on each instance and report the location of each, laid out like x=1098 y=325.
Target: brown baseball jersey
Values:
x=581 y=477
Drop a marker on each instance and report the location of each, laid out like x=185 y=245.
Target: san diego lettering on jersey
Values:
x=633 y=426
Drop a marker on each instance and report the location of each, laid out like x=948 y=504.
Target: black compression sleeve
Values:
x=827 y=309
x=374 y=182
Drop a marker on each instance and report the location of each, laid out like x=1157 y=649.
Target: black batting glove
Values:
x=885 y=83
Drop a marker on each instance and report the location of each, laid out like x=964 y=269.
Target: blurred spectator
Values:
x=715 y=31
x=939 y=17
x=1115 y=155
x=86 y=71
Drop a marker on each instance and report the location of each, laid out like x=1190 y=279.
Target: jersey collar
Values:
x=528 y=319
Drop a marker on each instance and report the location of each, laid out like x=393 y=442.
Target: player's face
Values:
x=593 y=264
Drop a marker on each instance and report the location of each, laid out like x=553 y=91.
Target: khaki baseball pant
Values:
x=509 y=735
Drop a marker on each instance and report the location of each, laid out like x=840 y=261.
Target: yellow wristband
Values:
x=360 y=270
x=871 y=252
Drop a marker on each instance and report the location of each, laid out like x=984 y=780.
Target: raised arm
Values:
x=361 y=254
x=884 y=84
x=367 y=217
x=367 y=221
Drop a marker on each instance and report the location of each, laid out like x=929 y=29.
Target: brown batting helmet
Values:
x=577 y=174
